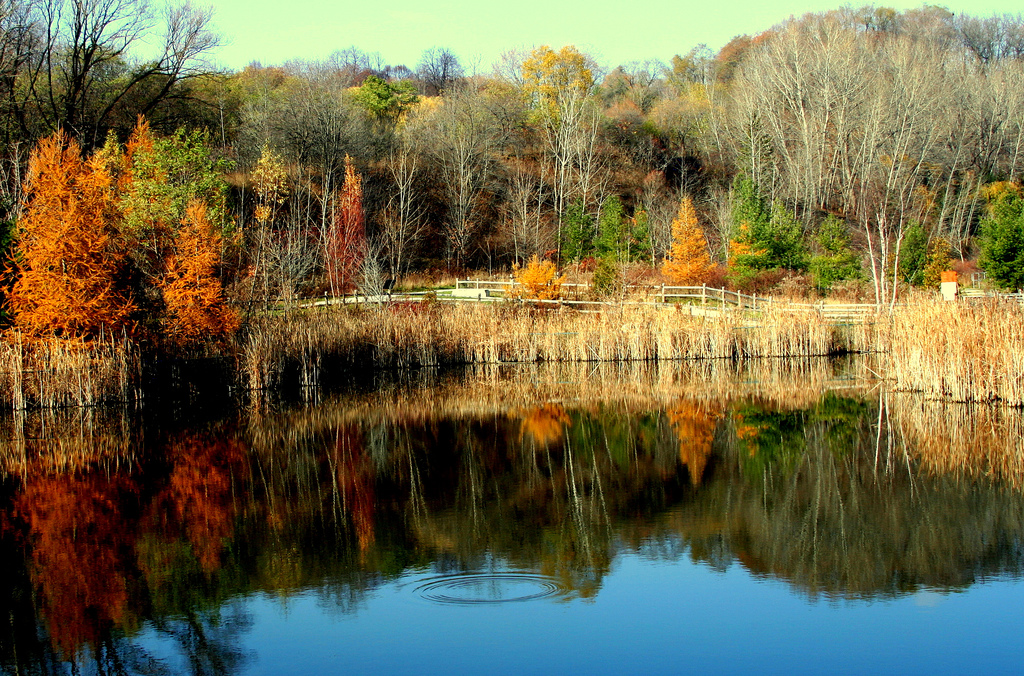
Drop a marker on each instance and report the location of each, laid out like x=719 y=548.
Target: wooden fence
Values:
x=711 y=298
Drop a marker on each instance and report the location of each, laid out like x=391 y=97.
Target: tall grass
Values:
x=956 y=351
x=304 y=349
x=57 y=441
x=963 y=440
x=52 y=373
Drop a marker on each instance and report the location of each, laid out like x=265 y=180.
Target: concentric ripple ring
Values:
x=481 y=588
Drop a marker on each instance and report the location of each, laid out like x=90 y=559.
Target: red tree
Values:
x=346 y=237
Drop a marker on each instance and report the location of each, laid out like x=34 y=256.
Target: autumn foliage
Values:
x=346 y=238
x=121 y=240
x=72 y=523
x=69 y=257
x=537 y=280
x=688 y=260
x=192 y=293
x=694 y=424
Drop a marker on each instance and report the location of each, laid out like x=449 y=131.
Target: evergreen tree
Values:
x=577 y=233
x=914 y=254
x=613 y=237
x=837 y=262
x=1002 y=237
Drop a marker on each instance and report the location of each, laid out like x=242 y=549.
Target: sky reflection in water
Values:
x=631 y=520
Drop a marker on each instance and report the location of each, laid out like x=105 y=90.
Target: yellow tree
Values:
x=69 y=265
x=559 y=86
x=192 y=293
x=538 y=280
x=688 y=259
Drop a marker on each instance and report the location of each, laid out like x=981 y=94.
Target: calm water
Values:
x=779 y=518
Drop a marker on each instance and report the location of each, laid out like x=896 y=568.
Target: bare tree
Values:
x=523 y=211
x=87 y=70
x=438 y=71
x=402 y=220
x=464 y=142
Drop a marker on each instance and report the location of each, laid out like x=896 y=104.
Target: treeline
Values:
x=859 y=144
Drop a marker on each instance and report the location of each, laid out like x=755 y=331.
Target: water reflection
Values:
x=497 y=486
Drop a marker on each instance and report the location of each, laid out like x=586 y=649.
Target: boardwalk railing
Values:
x=711 y=298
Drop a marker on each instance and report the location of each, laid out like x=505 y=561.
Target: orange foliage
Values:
x=545 y=424
x=81 y=555
x=69 y=265
x=695 y=426
x=538 y=280
x=739 y=246
x=688 y=259
x=192 y=292
x=199 y=491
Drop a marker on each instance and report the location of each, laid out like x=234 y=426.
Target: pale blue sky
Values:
x=271 y=31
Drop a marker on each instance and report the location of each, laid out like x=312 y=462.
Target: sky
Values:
x=478 y=32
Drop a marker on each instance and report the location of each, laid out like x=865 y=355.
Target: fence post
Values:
x=704 y=294
x=662 y=293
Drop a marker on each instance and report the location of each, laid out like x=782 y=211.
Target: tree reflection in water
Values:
x=842 y=495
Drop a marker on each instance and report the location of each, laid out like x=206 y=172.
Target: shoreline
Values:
x=948 y=351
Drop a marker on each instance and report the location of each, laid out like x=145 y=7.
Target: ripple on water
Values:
x=484 y=588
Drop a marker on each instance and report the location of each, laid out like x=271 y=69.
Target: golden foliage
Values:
x=192 y=292
x=537 y=280
x=740 y=246
x=993 y=191
x=939 y=261
x=545 y=424
x=270 y=179
x=69 y=263
x=550 y=77
x=694 y=424
x=688 y=261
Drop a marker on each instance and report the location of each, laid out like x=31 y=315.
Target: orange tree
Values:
x=537 y=280
x=123 y=240
x=70 y=267
x=688 y=260
x=192 y=294
x=346 y=237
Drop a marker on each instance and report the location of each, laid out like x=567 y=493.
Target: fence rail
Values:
x=709 y=297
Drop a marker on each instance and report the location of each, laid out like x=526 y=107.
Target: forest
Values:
x=855 y=151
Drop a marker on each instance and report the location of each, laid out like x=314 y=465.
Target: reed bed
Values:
x=58 y=441
x=957 y=352
x=959 y=440
x=53 y=373
x=488 y=391
x=302 y=348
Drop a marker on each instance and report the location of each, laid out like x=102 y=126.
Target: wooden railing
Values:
x=705 y=296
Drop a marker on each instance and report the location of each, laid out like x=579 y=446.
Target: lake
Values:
x=772 y=517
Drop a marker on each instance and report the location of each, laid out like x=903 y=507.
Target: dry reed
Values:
x=50 y=373
x=66 y=440
x=958 y=352
x=298 y=349
x=963 y=440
